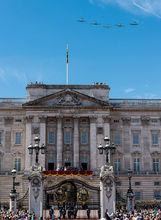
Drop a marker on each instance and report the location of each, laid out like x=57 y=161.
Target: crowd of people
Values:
x=18 y=215
x=142 y=214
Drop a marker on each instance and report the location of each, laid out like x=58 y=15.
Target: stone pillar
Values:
x=107 y=191
x=13 y=202
x=59 y=142
x=106 y=120
x=93 y=143
x=28 y=158
x=36 y=193
x=76 y=143
x=42 y=120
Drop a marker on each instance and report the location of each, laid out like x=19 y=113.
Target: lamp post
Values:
x=107 y=184
x=36 y=148
x=130 y=194
x=13 y=193
x=108 y=148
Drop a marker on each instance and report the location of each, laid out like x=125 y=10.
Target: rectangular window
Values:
x=154 y=120
x=137 y=165
x=156 y=183
x=117 y=138
x=156 y=165
x=117 y=166
x=18 y=164
x=138 y=195
x=51 y=137
x=84 y=137
x=155 y=138
x=0 y=137
x=135 y=120
x=136 y=138
x=18 y=137
x=50 y=166
x=67 y=137
x=157 y=195
x=137 y=183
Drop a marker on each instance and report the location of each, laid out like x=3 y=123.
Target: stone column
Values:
x=106 y=120
x=59 y=142
x=93 y=143
x=28 y=158
x=13 y=202
x=107 y=191
x=36 y=194
x=42 y=120
x=76 y=143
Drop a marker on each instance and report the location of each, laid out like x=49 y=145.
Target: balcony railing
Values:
x=68 y=172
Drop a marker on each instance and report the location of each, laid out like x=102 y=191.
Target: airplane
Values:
x=120 y=25
x=106 y=26
x=95 y=23
x=81 y=20
x=134 y=23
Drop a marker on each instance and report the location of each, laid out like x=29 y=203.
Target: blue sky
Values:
x=34 y=35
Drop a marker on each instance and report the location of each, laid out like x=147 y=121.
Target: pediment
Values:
x=66 y=98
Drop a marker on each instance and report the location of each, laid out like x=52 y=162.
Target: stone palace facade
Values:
x=72 y=120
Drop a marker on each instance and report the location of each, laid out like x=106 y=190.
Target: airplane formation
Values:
x=108 y=26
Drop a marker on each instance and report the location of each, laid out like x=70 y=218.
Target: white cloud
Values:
x=151 y=7
x=7 y=75
x=129 y=90
x=3 y=75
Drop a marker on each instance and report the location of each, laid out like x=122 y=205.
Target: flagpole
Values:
x=67 y=67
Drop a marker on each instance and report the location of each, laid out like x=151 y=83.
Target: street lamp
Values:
x=36 y=148
x=13 y=193
x=130 y=194
x=109 y=149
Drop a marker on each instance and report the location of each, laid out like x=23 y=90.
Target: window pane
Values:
x=0 y=137
x=117 y=138
x=117 y=166
x=137 y=165
x=18 y=164
x=51 y=137
x=84 y=137
x=157 y=195
x=156 y=165
x=67 y=137
x=137 y=195
x=135 y=138
x=155 y=138
x=18 y=138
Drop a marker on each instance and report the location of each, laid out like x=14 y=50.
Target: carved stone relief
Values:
x=68 y=100
x=36 y=184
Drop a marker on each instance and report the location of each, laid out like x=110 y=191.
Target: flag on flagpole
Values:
x=67 y=60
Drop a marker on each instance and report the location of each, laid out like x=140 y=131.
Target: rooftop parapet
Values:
x=38 y=90
x=136 y=103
